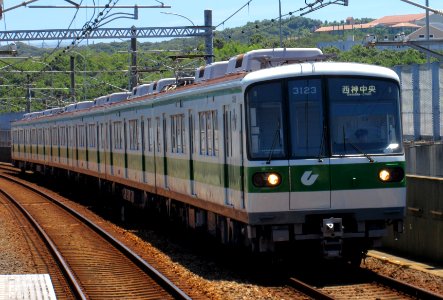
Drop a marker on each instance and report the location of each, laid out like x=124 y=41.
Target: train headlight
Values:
x=384 y=175
x=266 y=179
x=395 y=174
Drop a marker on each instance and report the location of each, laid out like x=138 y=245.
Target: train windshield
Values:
x=364 y=116
x=320 y=116
x=265 y=116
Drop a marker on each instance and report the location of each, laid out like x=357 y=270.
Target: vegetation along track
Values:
x=99 y=266
x=346 y=282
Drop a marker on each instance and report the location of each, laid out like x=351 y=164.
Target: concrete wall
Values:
x=424 y=159
x=423 y=234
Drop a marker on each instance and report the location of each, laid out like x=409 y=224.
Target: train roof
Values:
x=239 y=72
x=319 y=69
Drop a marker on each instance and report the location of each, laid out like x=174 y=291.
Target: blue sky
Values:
x=26 y=18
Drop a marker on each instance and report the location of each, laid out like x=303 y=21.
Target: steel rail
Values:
x=162 y=280
x=64 y=266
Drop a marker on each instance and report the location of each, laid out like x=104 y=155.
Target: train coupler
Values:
x=332 y=242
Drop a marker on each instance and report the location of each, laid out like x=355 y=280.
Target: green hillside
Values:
x=44 y=76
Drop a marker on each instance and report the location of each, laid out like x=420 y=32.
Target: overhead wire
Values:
x=310 y=6
x=88 y=27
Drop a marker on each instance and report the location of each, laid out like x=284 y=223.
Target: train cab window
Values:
x=364 y=116
x=306 y=117
x=265 y=121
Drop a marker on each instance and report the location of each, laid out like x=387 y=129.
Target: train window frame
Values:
x=55 y=136
x=21 y=136
x=40 y=136
x=81 y=130
x=62 y=136
x=158 y=134
x=34 y=136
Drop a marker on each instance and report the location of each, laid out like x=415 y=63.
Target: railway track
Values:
x=365 y=285
x=96 y=265
x=348 y=283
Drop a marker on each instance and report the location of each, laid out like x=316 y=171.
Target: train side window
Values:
x=55 y=136
x=158 y=134
x=215 y=130
x=177 y=133
x=62 y=136
x=133 y=135
x=173 y=134
x=33 y=136
x=92 y=137
x=208 y=129
x=202 y=130
x=47 y=136
x=150 y=138
x=81 y=136
x=117 y=135
x=102 y=136
x=40 y=136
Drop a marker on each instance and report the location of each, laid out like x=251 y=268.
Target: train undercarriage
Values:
x=329 y=236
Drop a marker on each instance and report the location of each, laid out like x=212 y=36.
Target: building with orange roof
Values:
x=403 y=21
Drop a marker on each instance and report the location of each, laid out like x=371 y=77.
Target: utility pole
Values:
x=209 y=37
x=134 y=76
x=72 y=64
x=28 y=93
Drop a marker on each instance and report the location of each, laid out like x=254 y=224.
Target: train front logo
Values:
x=308 y=178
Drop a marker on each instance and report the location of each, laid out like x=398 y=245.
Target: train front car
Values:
x=325 y=161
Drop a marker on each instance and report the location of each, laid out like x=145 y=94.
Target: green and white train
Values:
x=273 y=147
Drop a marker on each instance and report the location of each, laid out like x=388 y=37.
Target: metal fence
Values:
x=422 y=101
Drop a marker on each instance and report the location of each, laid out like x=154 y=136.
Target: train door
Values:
x=309 y=169
x=233 y=155
x=98 y=145
x=103 y=148
x=143 y=144
x=110 y=147
x=191 y=152
x=165 y=150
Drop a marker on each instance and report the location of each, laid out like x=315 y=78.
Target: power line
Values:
x=237 y=11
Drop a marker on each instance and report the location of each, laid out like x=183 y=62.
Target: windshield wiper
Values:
x=322 y=143
x=274 y=142
x=358 y=149
x=362 y=152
